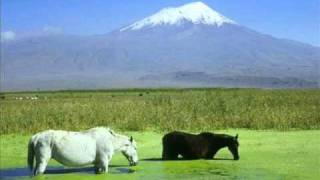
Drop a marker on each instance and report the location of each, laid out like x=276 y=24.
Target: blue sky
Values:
x=292 y=19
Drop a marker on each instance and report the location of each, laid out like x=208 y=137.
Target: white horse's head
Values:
x=129 y=150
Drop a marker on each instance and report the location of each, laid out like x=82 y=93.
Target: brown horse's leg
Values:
x=169 y=154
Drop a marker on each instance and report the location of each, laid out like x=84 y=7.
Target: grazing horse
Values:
x=94 y=146
x=201 y=146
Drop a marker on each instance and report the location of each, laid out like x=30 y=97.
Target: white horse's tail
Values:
x=30 y=154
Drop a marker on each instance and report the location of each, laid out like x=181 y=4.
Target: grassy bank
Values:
x=263 y=155
x=163 y=110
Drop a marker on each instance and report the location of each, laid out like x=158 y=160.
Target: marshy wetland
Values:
x=278 y=130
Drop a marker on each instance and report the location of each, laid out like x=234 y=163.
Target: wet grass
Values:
x=161 y=109
x=263 y=155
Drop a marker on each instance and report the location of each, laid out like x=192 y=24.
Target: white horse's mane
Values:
x=116 y=135
x=118 y=139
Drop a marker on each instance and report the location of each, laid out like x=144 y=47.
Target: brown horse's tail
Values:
x=30 y=154
x=163 y=149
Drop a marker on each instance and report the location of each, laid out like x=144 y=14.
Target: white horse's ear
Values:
x=112 y=132
x=131 y=139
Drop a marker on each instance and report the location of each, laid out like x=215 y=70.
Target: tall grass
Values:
x=194 y=109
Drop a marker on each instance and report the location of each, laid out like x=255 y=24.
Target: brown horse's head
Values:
x=233 y=147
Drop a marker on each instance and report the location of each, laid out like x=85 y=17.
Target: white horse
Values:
x=94 y=146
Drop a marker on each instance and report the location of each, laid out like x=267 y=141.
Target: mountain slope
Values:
x=226 y=50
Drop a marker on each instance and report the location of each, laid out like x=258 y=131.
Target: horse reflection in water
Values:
x=94 y=146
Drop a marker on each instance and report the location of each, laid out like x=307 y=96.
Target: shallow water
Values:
x=16 y=173
x=152 y=169
x=148 y=168
x=263 y=155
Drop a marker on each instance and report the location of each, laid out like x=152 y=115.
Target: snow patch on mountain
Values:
x=196 y=13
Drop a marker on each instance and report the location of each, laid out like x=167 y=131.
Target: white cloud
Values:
x=8 y=36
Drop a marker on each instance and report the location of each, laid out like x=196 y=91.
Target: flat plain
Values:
x=278 y=130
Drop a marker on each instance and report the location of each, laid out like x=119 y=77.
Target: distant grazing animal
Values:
x=94 y=146
x=34 y=98
x=201 y=146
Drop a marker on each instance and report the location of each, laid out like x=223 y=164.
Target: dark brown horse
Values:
x=201 y=146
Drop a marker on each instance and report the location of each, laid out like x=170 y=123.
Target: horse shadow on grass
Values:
x=13 y=173
x=181 y=159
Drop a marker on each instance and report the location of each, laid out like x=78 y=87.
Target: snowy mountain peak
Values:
x=195 y=12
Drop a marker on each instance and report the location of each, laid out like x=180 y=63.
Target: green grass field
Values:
x=162 y=110
x=263 y=155
x=278 y=129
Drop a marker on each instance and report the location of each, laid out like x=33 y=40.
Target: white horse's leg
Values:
x=103 y=163
x=43 y=155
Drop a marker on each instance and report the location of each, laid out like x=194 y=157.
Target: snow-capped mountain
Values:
x=196 y=13
x=190 y=45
